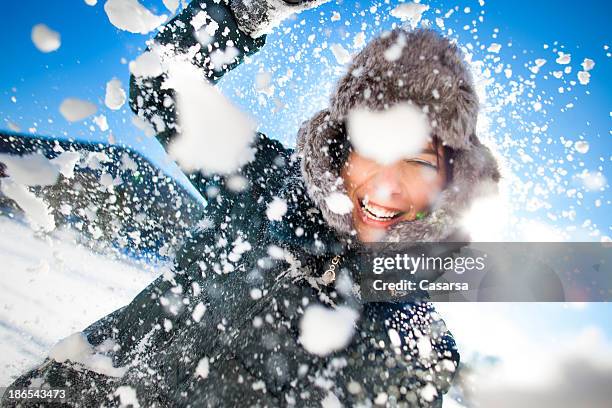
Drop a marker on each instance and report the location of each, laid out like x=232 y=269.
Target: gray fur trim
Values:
x=429 y=72
x=320 y=169
x=259 y=17
x=475 y=170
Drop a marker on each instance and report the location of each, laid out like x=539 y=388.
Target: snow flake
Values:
x=75 y=110
x=31 y=169
x=127 y=396
x=394 y=336
x=381 y=399
x=324 y=330
x=330 y=401
x=198 y=312
x=148 y=64
x=65 y=163
x=588 y=64
x=220 y=58
x=76 y=348
x=101 y=122
x=359 y=40
x=167 y=325
x=584 y=77
x=494 y=48
x=263 y=83
x=277 y=208
x=581 y=146
x=342 y=55
x=429 y=392
x=45 y=39
x=592 y=180
x=411 y=12
x=394 y=52
x=563 y=58
x=215 y=136
x=203 y=368
x=130 y=15
x=256 y=293
x=339 y=203
x=424 y=346
x=389 y=135
x=539 y=63
x=115 y=96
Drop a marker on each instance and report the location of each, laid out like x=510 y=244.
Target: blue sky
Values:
x=92 y=51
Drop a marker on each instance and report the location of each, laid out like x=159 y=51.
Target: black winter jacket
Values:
x=223 y=329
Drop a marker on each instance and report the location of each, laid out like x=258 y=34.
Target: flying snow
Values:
x=215 y=135
x=581 y=146
x=410 y=12
x=592 y=180
x=76 y=348
x=130 y=15
x=127 y=396
x=429 y=392
x=324 y=330
x=584 y=77
x=45 y=39
x=563 y=58
x=339 y=203
x=341 y=54
x=389 y=135
x=198 y=312
x=203 y=368
x=277 y=209
x=494 y=48
x=115 y=96
x=75 y=110
x=31 y=169
x=588 y=64
x=359 y=40
x=148 y=64
x=221 y=58
x=331 y=401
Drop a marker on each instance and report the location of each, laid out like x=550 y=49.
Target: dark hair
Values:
x=449 y=157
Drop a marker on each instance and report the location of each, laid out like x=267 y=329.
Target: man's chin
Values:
x=369 y=234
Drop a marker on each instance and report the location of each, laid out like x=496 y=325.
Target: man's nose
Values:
x=388 y=182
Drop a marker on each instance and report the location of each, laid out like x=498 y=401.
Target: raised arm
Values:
x=206 y=27
x=217 y=35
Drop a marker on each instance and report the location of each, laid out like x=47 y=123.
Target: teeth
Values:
x=378 y=213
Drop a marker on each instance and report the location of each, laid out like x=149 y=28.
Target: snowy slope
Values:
x=53 y=287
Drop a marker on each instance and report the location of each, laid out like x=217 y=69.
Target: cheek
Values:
x=356 y=175
x=424 y=186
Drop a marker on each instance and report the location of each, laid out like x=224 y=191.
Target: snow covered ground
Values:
x=53 y=287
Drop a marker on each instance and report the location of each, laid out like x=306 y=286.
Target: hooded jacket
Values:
x=224 y=328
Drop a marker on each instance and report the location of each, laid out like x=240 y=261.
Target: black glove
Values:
x=258 y=17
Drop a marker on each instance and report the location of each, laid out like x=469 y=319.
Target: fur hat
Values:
x=425 y=69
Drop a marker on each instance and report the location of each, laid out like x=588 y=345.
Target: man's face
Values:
x=384 y=195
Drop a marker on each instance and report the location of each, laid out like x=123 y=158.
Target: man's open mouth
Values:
x=378 y=214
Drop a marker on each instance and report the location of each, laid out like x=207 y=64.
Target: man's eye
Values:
x=423 y=162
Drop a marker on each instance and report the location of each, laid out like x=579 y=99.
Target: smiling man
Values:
x=385 y=195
